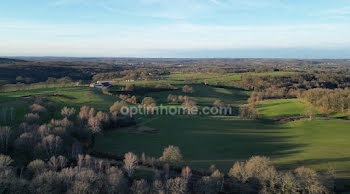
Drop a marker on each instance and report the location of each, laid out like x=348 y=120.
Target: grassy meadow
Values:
x=281 y=108
x=206 y=140
x=57 y=98
x=224 y=140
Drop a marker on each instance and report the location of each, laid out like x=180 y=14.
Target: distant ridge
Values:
x=8 y=60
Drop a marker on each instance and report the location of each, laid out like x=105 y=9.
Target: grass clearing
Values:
x=225 y=140
x=67 y=96
x=281 y=108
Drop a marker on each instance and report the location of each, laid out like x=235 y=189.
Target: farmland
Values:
x=278 y=124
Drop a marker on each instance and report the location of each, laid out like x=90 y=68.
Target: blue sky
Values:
x=176 y=28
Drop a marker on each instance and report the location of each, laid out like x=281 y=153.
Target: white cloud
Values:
x=342 y=13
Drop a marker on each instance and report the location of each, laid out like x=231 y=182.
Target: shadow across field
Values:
x=309 y=162
x=205 y=141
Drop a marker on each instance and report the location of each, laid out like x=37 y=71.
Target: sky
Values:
x=176 y=28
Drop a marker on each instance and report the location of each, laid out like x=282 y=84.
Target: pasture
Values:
x=206 y=140
x=57 y=98
x=281 y=108
x=225 y=140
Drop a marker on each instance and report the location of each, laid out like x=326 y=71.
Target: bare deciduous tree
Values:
x=172 y=155
x=248 y=112
x=139 y=187
x=37 y=166
x=46 y=182
x=309 y=180
x=51 y=144
x=189 y=106
x=5 y=161
x=103 y=118
x=67 y=112
x=56 y=163
x=117 y=106
x=149 y=103
x=176 y=185
x=87 y=181
x=94 y=125
x=25 y=142
x=186 y=173
x=130 y=163
x=4 y=114
x=309 y=113
x=116 y=181
x=37 y=108
x=32 y=118
x=158 y=187
x=5 y=133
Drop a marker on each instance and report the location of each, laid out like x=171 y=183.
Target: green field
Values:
x=203 y=95
x=224 y=140
x=220 y=140
x=281 y=108
x=227 y=79
x=58 y=98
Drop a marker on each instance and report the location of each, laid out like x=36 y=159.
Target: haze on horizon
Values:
x=182 y=28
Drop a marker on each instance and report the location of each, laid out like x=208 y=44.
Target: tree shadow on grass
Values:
x=225 y=142
x=309 y=162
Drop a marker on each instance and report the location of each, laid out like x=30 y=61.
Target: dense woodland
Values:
x=51 y=153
